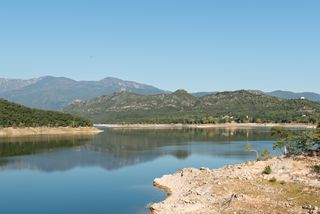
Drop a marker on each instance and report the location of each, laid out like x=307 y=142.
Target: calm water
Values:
x=113 y=171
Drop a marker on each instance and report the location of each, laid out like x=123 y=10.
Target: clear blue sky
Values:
x=206 y=45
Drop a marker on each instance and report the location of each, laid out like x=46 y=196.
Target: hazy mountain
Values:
x=202 y=93
x=182 y=107
x=12 y=84
x=56 y=92
x=292 y=95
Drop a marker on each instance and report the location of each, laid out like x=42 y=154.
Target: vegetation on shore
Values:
x=181 y=107
x=294 y=142
x=14 y=115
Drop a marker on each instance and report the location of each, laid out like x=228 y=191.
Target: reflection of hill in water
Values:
x=33 y=145
x=114 y=149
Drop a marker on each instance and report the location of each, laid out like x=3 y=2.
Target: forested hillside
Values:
x=14 y=115
x=182 y=107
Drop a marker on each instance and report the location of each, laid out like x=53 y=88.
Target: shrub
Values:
x=265 y=155
x=316 y=169
x=267 y=170
x=273 y=180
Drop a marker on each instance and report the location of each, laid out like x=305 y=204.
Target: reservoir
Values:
x=111 y=172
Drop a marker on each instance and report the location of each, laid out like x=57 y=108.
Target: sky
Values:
x=198 y=45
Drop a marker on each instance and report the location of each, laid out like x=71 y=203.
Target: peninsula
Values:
x=293 y=186
x=18 y=120
x=288 y=184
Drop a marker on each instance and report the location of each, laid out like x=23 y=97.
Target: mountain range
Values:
x=182 y=107
x=292 y=95
x=54 y=93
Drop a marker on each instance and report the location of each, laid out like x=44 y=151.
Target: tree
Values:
x=283 y=135
x=297 y=141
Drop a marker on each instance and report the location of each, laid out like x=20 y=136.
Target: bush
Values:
x=265 y=155
x=316 y=169
x=267 y=170
x=273 y=180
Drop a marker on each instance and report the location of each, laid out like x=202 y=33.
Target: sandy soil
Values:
x=224 y=125
x=15 y=132
x=243 y=188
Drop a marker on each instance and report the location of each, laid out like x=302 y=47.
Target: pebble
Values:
x=311 y=209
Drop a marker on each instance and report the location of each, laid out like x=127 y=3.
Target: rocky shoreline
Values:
x=293 y=186
x=17 y=132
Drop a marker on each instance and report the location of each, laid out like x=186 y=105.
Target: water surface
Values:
x=113 y=171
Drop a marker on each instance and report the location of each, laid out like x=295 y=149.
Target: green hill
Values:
x=14 y=115
x=182 y=107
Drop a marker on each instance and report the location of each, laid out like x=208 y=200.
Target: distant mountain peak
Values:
x=180 y=91
x=15 y=84
x=50 y=92
x=295 y=95
x=111 y=79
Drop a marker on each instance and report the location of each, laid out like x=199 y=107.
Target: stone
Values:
x=204 y=169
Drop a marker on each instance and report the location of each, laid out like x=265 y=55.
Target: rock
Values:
x=205 y=190
x=204 y=169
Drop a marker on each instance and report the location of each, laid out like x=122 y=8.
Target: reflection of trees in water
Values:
x=181 y=154
x=197 y=134
x=123 y=143
x=118 y=148
x=145 y=139
x=33 y=145
x=3 y=162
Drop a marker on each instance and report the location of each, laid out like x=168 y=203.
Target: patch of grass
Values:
x=267 y=170
x=316 y=169
x=282 y=182
x=273 y=180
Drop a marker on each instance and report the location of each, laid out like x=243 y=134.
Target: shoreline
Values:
x=206 y=126
x=30 y=131
x=243 y=188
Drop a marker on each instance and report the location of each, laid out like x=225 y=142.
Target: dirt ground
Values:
x=293 y=186
x=18 y=132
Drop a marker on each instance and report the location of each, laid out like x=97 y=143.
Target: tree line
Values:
x=13 y=115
